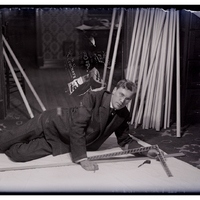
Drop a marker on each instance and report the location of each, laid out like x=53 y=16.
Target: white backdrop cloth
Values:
x=116 y=177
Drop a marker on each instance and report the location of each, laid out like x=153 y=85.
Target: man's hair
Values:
x=126 y=84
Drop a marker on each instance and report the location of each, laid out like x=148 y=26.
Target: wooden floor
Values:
x=50 y=84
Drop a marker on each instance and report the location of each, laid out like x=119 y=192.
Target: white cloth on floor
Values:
x=120 y=177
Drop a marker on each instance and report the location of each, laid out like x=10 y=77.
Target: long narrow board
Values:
x=108 y=160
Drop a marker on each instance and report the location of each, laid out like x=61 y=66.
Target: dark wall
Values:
x=2 y=81
x=56 y=26
x=20 y=31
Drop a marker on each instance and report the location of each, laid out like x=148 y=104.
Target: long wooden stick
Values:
x=151 y=93
x=156 y=70
x=109 y=45
x=132 y=43
x=168 y=70
x=162 y=71
x=172 y=65
x=24 y=74
x=109 y=160
x=178 y=118
x=131 y=50
x=156 y=88
x=115 y=50
x=18 y=84
x=137 y=47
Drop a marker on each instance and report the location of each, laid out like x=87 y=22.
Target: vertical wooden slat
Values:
x=178 y=111
x=169 y=70
x=137 y=47
x=108 y=46
x=115 y=50
x=132 y=43
x=131 y=48
x=161 y=74
x=171 y=66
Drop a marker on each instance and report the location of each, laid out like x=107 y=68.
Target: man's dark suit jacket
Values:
x=76 y=130
x=90 y=129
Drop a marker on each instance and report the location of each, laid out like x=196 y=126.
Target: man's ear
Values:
x=114 y=90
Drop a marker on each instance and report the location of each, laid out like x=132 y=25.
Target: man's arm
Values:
x=126 y=142
x=123 y=138
x=80 y=120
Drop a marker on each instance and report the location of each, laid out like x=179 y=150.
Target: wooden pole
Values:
x=131 y=50
x=178 y=111
x=151 y=93
x=168 y=69
x=134 y=64
x=171 y=66
x=139 y=46
x=24 y=75
x=132 y=43
x=162 y=65
x=115 y=50
x=156 y=89
x=152 y=41
x=109 y=45
x=18 y=85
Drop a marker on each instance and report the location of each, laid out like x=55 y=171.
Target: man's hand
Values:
x=89 y=165
x=153 y=153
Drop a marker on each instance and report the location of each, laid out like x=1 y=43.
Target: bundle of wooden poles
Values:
x=153 y=51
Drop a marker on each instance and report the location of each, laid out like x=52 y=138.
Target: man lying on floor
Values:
x=76 y=130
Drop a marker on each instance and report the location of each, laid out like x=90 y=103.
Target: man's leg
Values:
x=30 y=130
x=34 y=149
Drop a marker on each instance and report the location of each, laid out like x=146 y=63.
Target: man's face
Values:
x=121 y=97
